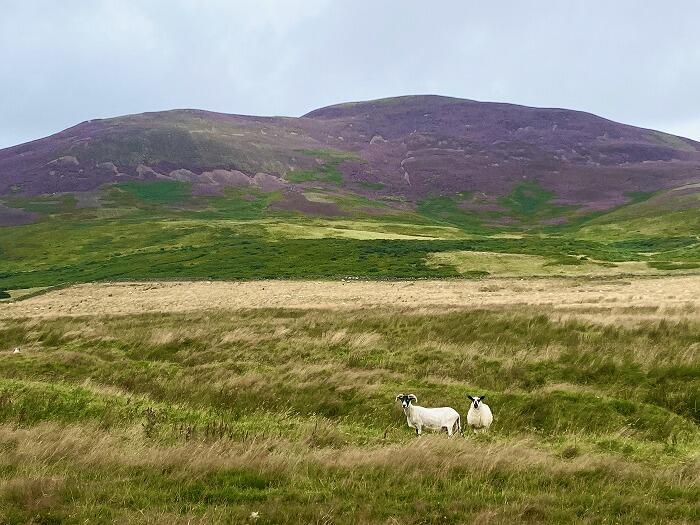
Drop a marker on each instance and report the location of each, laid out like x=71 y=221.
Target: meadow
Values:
x=281 y=402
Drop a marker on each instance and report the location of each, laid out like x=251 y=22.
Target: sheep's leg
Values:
x=456 y=427
x=419 y=431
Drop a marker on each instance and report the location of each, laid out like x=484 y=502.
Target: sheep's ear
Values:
x=482 y=398
x=399 y=397
x=470 y=397
x=414 y=398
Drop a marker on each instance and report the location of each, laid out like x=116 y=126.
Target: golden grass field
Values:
x=605 y=300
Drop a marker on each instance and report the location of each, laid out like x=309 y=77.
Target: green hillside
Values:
x=160 y=230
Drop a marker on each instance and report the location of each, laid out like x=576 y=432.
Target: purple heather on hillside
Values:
x=412 y=147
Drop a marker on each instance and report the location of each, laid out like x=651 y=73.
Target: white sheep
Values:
x=418 y=417
x=16 y=350
x=479 y=417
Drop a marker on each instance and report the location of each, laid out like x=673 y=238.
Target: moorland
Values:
x=215 y=313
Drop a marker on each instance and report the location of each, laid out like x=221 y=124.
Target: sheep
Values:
x=16 y=350
x=419 y=417
x=479 y=417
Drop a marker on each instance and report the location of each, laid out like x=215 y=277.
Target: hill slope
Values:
x=408 y=147
x=406 y=187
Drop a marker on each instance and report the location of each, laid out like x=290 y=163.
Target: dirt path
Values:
x=661 y=297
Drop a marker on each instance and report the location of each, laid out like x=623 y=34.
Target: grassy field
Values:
x=213 y=410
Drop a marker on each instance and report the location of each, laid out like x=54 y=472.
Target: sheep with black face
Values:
x=479 y=417
x=417 y=417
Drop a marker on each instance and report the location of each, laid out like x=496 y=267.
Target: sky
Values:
x=63 y=62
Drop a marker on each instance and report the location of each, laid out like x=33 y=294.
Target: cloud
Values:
x=71 y=61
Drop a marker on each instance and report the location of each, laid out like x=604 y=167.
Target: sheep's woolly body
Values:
x=433 y=418
x=479 y=418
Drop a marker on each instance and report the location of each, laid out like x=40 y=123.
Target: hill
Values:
x=411 y=147
x=402 y=187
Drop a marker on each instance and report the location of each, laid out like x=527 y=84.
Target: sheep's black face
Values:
x=476 y=401
x=405 y=400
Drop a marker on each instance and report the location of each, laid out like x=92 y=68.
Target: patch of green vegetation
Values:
x=218 y=254
x=660 y=224
x=576 y=222
x=671 y=213
x=527 y=206
x=237 y=203
x=158 y=192
x=639 y=196
x=664 y=265
x=527 y=198
x=324 y=173
x=529 y=202
x=446 y=209
x=361 y=205
x=654 y=244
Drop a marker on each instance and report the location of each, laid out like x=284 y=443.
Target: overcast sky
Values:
x=65 y=61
